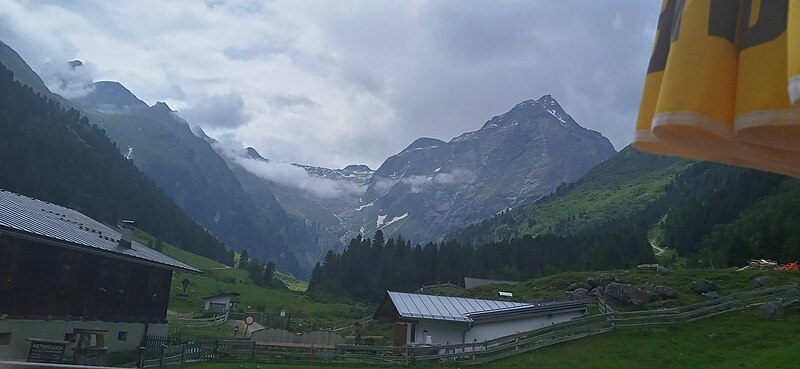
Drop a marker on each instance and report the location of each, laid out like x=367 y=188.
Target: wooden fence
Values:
x=174 y=356
x=469 y=353
x=199 y=322
x=280 y=336
x=703 y=310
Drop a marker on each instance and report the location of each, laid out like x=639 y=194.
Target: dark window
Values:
x=5 y=338
x=69 y=337
x=413 y=332
x=122 y=336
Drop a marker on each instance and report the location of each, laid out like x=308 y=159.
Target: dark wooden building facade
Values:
x=62 y=271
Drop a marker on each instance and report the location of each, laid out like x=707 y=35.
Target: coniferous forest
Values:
x=369 y=267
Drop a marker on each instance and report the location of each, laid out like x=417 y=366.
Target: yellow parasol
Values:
x=723 y=84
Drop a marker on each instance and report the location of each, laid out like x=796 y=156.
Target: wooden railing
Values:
x=704 y=310
x=200 y=322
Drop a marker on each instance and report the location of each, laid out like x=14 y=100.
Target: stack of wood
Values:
x=652 y=267
x=759 y=264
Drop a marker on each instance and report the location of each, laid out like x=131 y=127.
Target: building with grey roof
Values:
x=62 y=272
x=445 y=320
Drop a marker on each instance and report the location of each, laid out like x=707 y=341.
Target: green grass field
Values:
x=745 y=339
x=741 y=340
x=217 y=277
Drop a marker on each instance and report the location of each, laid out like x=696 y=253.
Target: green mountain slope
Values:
x=188 y=169
x=56 y=155
x=718 y=214
x=622 y=185
x=197 y=179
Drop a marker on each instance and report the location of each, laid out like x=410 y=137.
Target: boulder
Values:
x=704 y=286
x=665 y=292
x=601 y=281
x=711 y=295
x=578 y=294
x=761 y=281
x=597 y=291
x=625 y=294
x=773 y=309
x=576 y=285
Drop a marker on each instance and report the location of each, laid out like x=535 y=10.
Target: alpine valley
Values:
x=434 y=186
x=427 y=189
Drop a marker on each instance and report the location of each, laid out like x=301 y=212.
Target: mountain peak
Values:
x=424 y=142
x=546 y=102
x=252 y=153
x=162 y=106
x=357 y=168
x=110 y=96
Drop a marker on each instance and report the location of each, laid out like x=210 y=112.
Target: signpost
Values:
x=248 y=320
x=46 y=351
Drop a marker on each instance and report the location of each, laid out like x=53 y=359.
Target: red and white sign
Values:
x=249 y=320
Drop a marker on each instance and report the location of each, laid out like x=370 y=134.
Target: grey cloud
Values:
x=456 y=177
x=382 y=185
x=463 y=62
x=285 y=101
x=66 y=79
x=223 y=111
x=418 y=183
x=406 y=69
x=294 y=176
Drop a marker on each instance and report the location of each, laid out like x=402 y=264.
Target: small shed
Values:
x=445 y=320
x=221 y=302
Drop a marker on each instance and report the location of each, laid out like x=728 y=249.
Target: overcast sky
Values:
x=340 y=82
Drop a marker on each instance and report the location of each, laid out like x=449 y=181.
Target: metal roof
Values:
x=412 y=305
x=31 y=218
x=462 y=309
x=232 y=294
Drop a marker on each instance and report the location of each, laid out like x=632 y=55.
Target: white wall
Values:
x=442 y=332
x=55 y=330
x=490 y=330
x=218 y=300
x=450 y=333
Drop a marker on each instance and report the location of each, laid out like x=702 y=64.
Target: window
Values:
x=5 y=338
x=413 y=332
x=122 y=336
x=69 y=337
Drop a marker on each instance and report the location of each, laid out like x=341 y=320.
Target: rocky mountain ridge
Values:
x=433 y=186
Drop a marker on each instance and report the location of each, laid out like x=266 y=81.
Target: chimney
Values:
x=126 y=235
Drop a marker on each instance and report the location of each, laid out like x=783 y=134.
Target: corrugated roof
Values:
x=462 y=309
x=30 y=216
x=412 y=305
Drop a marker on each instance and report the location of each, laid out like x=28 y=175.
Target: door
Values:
x=399 y=334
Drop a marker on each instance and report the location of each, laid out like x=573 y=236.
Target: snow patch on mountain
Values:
x=365 y=206
x=380 y=220
x=395 y=219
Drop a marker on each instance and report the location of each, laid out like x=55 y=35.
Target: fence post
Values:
x=215 y=353
x=163 y=353
x=253 y=350
x=140 y=364
x=183 y=354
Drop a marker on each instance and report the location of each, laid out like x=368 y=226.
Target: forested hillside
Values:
x=711 y=213
x=624 y=184
x=369 y=267
x=55 y=155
